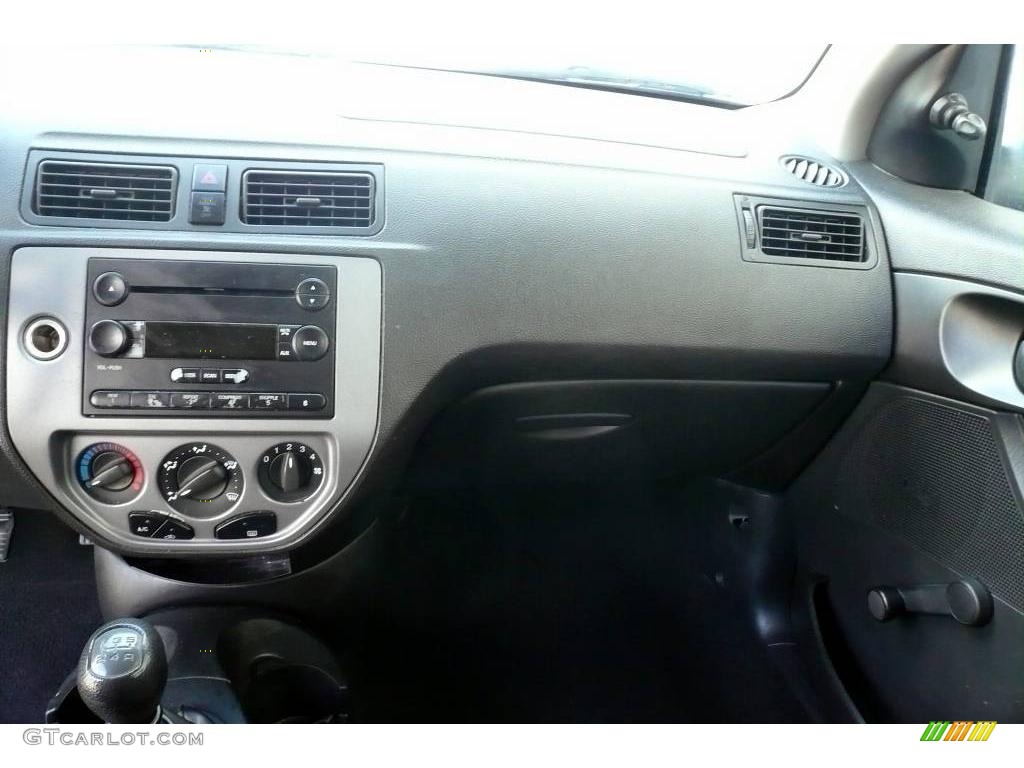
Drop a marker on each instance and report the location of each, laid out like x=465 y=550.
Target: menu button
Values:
x=310 y=343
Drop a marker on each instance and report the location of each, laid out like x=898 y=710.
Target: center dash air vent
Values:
x=105 y=191
x=806 y=234
x=307 y=199
x=813 y=172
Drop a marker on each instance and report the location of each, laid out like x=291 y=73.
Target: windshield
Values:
x=739 y=75
x=727 y=75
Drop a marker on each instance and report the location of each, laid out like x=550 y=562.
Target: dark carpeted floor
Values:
x=48 y=609
x=595 y=609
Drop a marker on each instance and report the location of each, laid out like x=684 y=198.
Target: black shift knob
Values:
x=122 y=672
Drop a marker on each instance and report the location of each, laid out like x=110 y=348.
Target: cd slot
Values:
x=214 y=291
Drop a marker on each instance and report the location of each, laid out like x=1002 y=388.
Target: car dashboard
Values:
x=229 y=328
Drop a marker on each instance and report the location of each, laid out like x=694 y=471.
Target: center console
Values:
x=187 y=401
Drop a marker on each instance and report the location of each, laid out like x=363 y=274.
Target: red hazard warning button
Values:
x=209 y=178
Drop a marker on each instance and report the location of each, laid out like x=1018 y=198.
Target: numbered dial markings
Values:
x=290 y=471
x=110 y=473
x=200 y=479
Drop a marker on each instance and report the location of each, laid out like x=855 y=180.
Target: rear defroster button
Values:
x=310 y=343
x=250 y=526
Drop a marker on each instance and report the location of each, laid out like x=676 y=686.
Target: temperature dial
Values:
x=200 y=479
x=110 y=473
x=290 y=472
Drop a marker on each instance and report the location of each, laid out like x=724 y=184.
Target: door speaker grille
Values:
x=934 y=475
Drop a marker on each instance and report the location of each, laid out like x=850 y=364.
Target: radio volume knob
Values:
x=108 y=338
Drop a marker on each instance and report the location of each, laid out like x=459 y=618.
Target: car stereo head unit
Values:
x=241 y=339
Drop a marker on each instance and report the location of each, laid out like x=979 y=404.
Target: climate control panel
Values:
x=201 y=489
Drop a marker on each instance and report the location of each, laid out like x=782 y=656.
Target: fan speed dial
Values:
x=290 y=471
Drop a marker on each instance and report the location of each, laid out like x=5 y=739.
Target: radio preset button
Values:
x=190 y=400
x=110 y=399
x=187 y=375
x=310 y=343
x=268 y=401
x=231 y=401
x=110 y=289
x=306 y=402
x=210 y=376
x=234 y=375
x=151 y=400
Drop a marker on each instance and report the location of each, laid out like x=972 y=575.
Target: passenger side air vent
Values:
x=105 y=191
x=307 y=199
x=805 y=234
x=813 y=172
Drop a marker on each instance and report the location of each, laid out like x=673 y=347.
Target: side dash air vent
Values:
x=307 y=199
x=805 y=234
x=105 y=191
x=813 y=172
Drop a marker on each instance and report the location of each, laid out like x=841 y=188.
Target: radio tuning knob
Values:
x=108 y=338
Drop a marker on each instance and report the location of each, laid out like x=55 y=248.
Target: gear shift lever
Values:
x=122 y=672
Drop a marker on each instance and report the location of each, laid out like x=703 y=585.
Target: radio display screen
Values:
x=211 y=341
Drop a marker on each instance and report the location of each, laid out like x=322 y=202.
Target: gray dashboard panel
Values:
x=946 y=232
x=48 y=429
x=509 y=256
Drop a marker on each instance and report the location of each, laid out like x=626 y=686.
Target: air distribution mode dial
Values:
x=200 y=479
x=290 y=471
x=110 y=473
